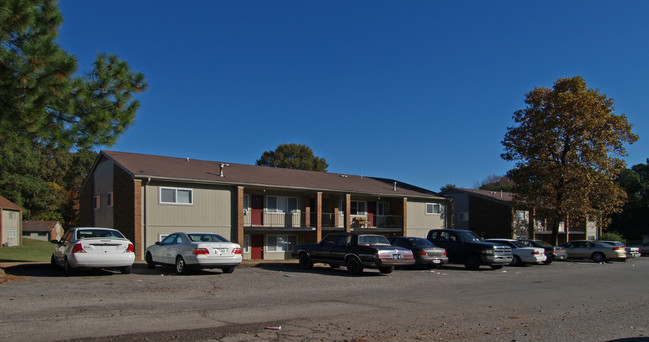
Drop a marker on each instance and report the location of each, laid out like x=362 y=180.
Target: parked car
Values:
x=552 y=253
x=192 y=251
x=355 y=251
x=90 y=247
x=468 y=248
x=644 y=249
x=598 y=251
x=424 y=251
x=523 y=253
x=631 y=252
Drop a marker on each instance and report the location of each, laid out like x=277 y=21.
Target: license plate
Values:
x=397 y=256
x=436 y=261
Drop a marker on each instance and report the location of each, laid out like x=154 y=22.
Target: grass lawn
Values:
x=31 y=250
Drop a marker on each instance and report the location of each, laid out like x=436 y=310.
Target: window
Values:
x=246 y=243
x=278 y=204
x=281 y=243
x=176 y=196
x=433 y=208
x=382 y=208
x=12 y=233
x=162 y=237
x=12 y=215
x=109 y=199
x=357 y=208
x=463 y=216
x=95 y=202
x=520 y=215
x=246 y=203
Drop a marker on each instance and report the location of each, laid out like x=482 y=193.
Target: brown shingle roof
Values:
x=39 y=226
x=7 y=204
x=184 y=169
x=498 y=195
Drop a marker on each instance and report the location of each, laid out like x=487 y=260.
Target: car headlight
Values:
x=488 y=251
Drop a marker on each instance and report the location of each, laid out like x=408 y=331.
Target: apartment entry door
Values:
x=257 y=247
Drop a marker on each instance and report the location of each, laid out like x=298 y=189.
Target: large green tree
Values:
x=51 y=116
x=293 y=156
x=567 y=144
x=633 y=221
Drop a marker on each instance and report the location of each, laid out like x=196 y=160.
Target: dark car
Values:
x=355 y=251
x=468 y=248
x=424 y=251
x=551 y=252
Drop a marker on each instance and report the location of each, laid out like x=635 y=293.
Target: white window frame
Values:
x=109 y=199
x=96 y=202
x=282 y=205
x=12 y=233
x=358 y=212
x=162 y=237
x=275 y=247
x=12 y=215
x=191 y=195
x=246 y=203
x=432 y=207
x=520 y=215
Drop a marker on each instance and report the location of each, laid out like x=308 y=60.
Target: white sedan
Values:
x=522 y=253
x=91 y=247
x=189 y=251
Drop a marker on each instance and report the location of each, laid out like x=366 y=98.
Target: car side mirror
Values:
x=157 y=243
x=54 y=241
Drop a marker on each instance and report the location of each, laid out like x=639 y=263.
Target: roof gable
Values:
x=7 y=204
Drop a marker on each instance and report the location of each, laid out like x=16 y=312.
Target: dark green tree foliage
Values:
x=496 y=183
x=293 y=156
x=567 y=145
x=42 y=100
x=46 y=110
x=633 y=221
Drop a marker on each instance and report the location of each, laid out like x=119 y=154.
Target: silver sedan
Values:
x=190 y=251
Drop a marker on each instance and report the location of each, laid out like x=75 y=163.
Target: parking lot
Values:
x=581 y=301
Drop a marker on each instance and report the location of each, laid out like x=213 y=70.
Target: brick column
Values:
x=405 y=216
x=239 y=216
x=307 y=216
x=318 y=216
x=348 y=217
x=137 y=219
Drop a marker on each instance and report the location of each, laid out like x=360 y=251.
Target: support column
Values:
x=348 y=216
x=336 y=216
x=307 y=216
x=318 y=216
x=138 y=233
x=405 y=216
x=239 y=219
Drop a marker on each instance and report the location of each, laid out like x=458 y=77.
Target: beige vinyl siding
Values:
x=103 y=184
x=419 y=223
x=10 y=222
x=210 y=211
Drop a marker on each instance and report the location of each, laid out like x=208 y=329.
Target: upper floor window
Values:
x=109 y=199
x=382 y=208
x=463 y=216
x=95 y=202
x=176 y=196
x=520 y=215
x=279 y=204
x=357 y=208
x=433 y=208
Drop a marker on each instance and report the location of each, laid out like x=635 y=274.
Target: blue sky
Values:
x=419 y=91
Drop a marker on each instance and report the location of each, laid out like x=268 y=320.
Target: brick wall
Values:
x=127 y=216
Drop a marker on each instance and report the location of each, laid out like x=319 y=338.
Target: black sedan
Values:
x=425 y=252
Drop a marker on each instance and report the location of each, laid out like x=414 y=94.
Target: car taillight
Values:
x=536 y=253
x=618 y=248
x=444 y=252
x=236 y=250
x=78 y=248
x=422 y=253
x=130 y=248
x=201 y=251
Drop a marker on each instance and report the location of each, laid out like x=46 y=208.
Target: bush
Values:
x=612 y=236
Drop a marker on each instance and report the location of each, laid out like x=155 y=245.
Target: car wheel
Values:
x=67 y=269
x=53 y=262
x=149 y=261
x=305 y=261
x=599 y=257
x=432 y=266
x=386 y=269
x=334 y=266
x=354 y=266
x=472 y=263
x=496 y=267
x=181 y=267
x=126 y=269
x=516 y=261
x=228 y=269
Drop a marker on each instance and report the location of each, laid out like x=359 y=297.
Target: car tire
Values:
x=598 y=257
x=496 y=267
x=126 y=269
x=53 y=262
x=547 y=262
x=149 y=261
x=472 y=263
x=433 y=266
x=354 y=266
x=228 y=269
x=305 y=261
x=516 y=261
x=386 y=269
x=181 y=266
x=67 y=269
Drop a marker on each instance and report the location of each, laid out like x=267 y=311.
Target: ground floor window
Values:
x=280 y=243
x=246 y=243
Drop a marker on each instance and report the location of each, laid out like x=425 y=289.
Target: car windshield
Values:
x=525 y=243
x=202 y=237
x=372 y=240
x=98 y=233
x=520 y=244
x=540 y=243
x=469 y=237
x=419 y=242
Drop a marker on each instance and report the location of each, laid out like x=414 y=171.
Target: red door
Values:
x=371 y=211
x=257 y=247
x=257 y=207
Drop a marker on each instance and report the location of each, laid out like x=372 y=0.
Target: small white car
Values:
x=191 y=251
x=522 y=254
x=91 y=247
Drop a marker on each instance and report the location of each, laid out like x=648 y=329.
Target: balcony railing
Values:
x=298 y=219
